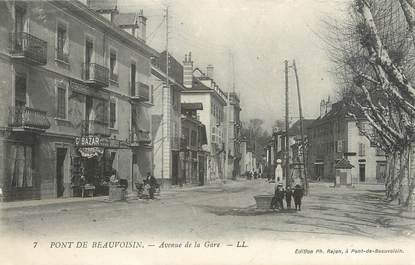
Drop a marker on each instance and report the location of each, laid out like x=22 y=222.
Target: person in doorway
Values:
x=288 y=195
x=298 y=195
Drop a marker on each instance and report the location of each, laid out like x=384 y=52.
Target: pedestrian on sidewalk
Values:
x=279 y=197
x=152 y=182
x=298 y=195
x=288 y=195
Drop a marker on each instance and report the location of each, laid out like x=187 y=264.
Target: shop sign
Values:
x=88 y=140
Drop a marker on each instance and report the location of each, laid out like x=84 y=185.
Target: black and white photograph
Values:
x=209 y=132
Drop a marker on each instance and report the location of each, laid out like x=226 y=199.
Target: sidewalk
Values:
x=131 y=194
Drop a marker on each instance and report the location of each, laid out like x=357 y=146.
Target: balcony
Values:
x=28 y=48
x=139 y=138
x=141 y=92
x=95 y=75
x=24 y=118
x=95 y=127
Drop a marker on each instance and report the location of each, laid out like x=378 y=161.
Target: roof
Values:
x=343 y=164
x=125 y=19
x=295 y=129
x=338 y=110
x=102 y=4
x=192 y=106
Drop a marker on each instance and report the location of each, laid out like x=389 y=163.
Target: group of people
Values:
x=289 y=193
x=148 y=187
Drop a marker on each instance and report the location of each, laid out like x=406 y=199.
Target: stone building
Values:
x=74 y=94
x=335 y=135
x=166 y=117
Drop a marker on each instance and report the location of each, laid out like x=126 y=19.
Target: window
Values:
x=362 y=128
x=152 y=94
x=101 y=110
x=193 y=138
x=113 y=66
x=132 y=78
x=113 y=114
x=186 y=136
x=21 y=165
x=61 y=102
x=379 y=152
x=339 y=146
x=62 y=45
x=362 y=149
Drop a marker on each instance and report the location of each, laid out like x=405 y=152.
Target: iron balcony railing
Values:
x=29 y=47
x=95 y=74
x=139 y=137
x=95 y=127
x=141 y=92
x=28 y=118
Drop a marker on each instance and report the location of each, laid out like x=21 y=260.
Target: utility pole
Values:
x=164 y=106
x=287 y=147
x=300 y=110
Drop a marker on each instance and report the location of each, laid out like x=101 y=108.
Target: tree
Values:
x=374 y=60
x=257 y=137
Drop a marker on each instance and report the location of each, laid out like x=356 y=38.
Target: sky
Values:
x=259 y=35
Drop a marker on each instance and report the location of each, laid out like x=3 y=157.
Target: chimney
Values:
x=142 y=25
x=188 y=71
x=209 y=71
x=322 y=108
x=328 y=105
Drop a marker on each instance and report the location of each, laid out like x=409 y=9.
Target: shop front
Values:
x=94 y=163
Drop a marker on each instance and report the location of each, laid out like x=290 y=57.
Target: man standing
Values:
x=298 y=195
x=279 y=197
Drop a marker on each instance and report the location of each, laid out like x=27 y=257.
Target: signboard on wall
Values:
x=98 y=141
x=88 y=141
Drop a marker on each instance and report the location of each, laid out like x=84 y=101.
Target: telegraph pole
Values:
x=301 y=127
x=164 y=108
x=287 y=153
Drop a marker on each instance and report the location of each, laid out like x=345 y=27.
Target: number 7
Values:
x=34 y=244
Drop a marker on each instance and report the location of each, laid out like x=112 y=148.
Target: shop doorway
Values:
x=175 y=167
x=201 y=171
x=60 y=160
x=362 y=172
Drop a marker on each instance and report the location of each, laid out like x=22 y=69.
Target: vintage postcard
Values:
x=207 y=132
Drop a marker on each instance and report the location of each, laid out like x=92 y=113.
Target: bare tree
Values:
x=373 y=50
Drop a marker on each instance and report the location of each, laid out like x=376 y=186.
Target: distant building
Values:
x=335 y=135
x=192 y=156
x=201 y=87
x=234 y=126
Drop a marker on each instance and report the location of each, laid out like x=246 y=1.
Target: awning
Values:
x=89 y=152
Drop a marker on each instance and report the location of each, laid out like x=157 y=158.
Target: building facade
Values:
x=192 y=156
x=74 y=99
x=234 y=135
x=335 y=135
x=166 y=117
x=201 y=87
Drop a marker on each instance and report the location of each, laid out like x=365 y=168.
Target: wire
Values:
x=155 y=30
